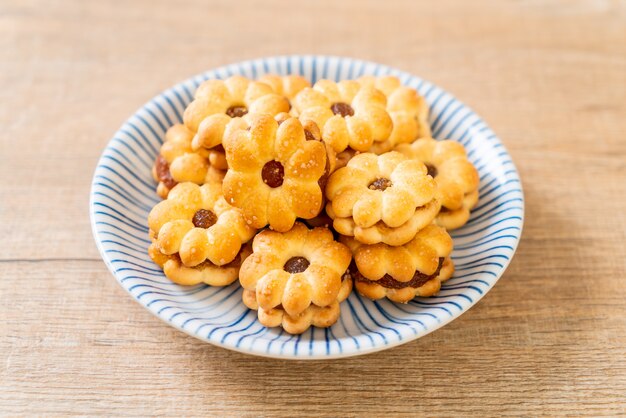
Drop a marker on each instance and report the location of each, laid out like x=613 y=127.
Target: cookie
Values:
x=214 y=128
x=401 y=273
x=274 y=172
x=296 y=279
x=384 y=198
x=205 y=272
x=348 y=114
x=197 y=224
x=456 y=177
x=177 y=162
x=234 y=97
x=407 y=109
x=321 y=317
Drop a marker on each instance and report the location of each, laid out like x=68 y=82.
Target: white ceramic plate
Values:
x=123 y=193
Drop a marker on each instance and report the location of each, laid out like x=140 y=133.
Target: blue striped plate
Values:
x=123 y=193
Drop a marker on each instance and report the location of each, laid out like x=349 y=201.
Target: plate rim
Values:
x=291 y=356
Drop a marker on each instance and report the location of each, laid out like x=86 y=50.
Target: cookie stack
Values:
x=302 y=192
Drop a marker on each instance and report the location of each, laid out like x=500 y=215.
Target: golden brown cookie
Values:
x=408 y=111
x=274 y=172
x=234 y=97
x=205 y=272
x=401 y=273
x=214 y=128
x=348 y=114
x=197 y=224
x=177 y=162
x=321 y=317
x=296 y=279
x=381 y=198
x=456 y=177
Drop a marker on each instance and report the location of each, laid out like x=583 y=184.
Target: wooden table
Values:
x=550 y=79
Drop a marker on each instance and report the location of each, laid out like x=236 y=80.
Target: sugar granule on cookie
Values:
x=296 y=279
x=407 y=109
x=348 y=114
x=401 y=273
x=456 y=177
x=196 y=224
x=274 y=172
x=381 y=198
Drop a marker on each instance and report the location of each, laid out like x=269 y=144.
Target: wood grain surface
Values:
x=548 y=76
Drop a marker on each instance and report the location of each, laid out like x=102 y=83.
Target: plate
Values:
x=123 y=193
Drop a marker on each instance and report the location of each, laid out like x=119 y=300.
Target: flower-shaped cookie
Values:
x=381 y=198
x=274 y=172
x=196 y=223
x=348 y=114
x=205 y=272
x=234 y=97
x=408 y=111
x=321 y=317
x=416 y=268
x=296 y=277
x=456 y=177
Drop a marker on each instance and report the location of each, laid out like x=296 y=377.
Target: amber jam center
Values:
x=380 y=184
x=236 y=111
x=296 y=265
x=342 y=109
x=419 y=279
x=163 y=172
x=273 y=174
x=432 y=170
x=309 y=136
x=204 y=218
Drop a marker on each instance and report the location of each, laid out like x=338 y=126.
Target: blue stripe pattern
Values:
x=123 y=192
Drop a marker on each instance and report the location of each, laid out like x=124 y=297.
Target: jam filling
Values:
x=273 y=174
x=163 y=172
x=432 y=170
x=342 y=109
x=418 y=280
x=324 y=179
x=236 y=111
x=380 y=184
x=204 y=219
x=309 y=136
x=296 y=265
